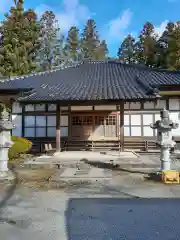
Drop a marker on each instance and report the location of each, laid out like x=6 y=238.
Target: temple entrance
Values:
x=82 y=127
x=94 y=126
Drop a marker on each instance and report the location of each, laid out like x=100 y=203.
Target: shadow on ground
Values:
x=111 y=166
x=112 y=218
x=10 y=191
x=7 y=196
x=156 y=177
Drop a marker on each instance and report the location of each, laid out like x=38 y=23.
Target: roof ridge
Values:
x=39 y=73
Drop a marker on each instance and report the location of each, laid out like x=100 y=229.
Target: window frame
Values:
x=35 y=127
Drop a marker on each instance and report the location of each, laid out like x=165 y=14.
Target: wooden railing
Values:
x=111 y=145
x=100 y=145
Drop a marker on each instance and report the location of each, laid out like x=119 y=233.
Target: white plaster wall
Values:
x=139 y=124
x=81 y=108
x=51 y=107
x=133 y=105
x=175 y=117
x=161 y=104
x=40 y=107
x=29 y=108
x=16 y=108
x=17 y=121
x=174 y=104
x=105 y=107
x=64 y=120
x=151 y=105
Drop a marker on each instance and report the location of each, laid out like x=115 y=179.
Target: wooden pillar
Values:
x=69 y=122
x=122 y=125
x=23 y=120
x=58 y=128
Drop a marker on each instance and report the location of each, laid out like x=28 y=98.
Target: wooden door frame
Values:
x=96 y=113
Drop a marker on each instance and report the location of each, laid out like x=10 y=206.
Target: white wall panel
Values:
x=136 y=131
x=161 y=104
x=157 y=117
x=147 y=119
x=174 y=104
x=51 y=107
x=126 y=120
x=81 y=108
x=136 y=119
x=17 y=121
x=174 y=116
x=40 y=107
x=105 y=107
x=64 y=108
x=135 y=105
x=16 y=108
x=148 y=132
x=64 y=131
x=127 y=106
x=176 y=132
x=126 y=131
x=149 y=105
x=64 y=120
x=29 y=107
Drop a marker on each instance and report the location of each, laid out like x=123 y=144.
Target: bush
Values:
x=21 y=145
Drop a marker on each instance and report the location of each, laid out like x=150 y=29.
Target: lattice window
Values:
x=87 y=120
x=82 y=120
x=99 y=120
x=110 y=120
x=77 y=120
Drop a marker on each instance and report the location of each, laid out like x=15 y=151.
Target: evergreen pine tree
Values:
x=90 y=42
x=126 y=52
x=20 y=41
x=51 y=53
x=166 y=47
x=145 y=47
x=102 y=51
x=177 y=45
x=72 y=46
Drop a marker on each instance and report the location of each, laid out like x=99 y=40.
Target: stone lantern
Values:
x=164 y=138
x=5 y=140
x=9 y=92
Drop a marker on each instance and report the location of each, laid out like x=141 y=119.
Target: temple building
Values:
x=94 y=105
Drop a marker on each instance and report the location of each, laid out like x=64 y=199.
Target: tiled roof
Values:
x=96 y=80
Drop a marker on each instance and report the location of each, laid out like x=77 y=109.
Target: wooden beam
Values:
x=58 y=129
x=85 y=103
x=122 y=125
x=169 y=93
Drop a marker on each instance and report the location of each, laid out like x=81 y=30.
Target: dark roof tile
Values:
x=94 y=81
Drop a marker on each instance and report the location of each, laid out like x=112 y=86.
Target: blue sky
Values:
x=114 y=18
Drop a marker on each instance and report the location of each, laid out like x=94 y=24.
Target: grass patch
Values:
x=34 y=178
x=35 y=174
